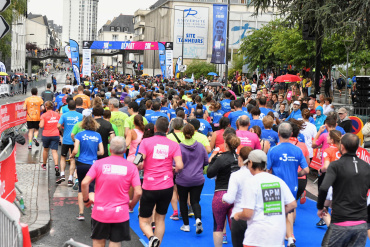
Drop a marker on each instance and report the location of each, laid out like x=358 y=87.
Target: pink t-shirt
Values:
x=323 y=140
x=113 y=177
x=160 y=152
x=249 y=139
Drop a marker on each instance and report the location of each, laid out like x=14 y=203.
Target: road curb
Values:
x=43 y=221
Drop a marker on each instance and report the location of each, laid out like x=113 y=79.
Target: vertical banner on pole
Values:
x=86 y=58
x=67 y=50
x=219 y=34
x=169 y=59
x=162 y=58
x=75 y=56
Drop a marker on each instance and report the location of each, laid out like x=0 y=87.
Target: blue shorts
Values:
x=51 y=142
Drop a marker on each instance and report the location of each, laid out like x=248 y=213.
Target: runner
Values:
x=50 y=135
x=135 y=136
x=158 y=154
x=234 y=196
x=89 y=145
x=68 y=121
x=257 y=194
x=33 y=106
x=114 y=176
x=85 y=98
x=117 y=117
x=221 y=167
x=191 y=180
x=283 y=160
x=246 y=137
x=350 y=178
x=234 y=116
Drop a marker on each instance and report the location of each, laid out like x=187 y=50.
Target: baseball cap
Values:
x=257 y=156
x=342 y=110
x=87 y=112
x=297 y=102
x=195 y=122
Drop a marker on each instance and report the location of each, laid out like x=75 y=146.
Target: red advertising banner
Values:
x=316 y=159
x=8 y=178
x=12 y=115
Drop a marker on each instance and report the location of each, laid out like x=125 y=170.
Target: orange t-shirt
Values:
x=33 y=105
x=331 y=154
x=85 y=99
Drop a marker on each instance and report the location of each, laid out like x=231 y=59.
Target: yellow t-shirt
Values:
x=247 y=88
x=33 y=105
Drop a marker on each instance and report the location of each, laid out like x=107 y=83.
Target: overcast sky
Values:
x=108 y=9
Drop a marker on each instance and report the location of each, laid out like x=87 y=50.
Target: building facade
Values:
x=18 y=44
x=139 y=27
x=121 y=28
x=167 y=17
x=79 y=20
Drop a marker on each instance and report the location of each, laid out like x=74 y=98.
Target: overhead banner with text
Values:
x=219 y=34
x=123 y=45
x=86 y=62
x=75 y=56
x=195 y=32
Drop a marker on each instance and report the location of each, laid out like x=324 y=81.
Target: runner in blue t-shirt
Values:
x=234 y=116
x=68 y=121
x=205 y=127
x=152 y=118
x=216 y=114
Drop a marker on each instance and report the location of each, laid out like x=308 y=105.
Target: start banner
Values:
x=8 y=178
x=12 y=115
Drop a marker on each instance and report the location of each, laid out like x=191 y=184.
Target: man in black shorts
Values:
x=159 y=152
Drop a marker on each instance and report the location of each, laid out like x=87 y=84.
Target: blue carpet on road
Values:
x=305 y=230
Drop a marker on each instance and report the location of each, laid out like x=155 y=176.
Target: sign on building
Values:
x=195 y=32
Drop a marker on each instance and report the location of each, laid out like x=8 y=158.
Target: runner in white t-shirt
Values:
x=262 y=202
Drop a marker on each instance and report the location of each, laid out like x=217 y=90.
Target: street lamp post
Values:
x=347 y=50
x=183 y=33
x=153 y=50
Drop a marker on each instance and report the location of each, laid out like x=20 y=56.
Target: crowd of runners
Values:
x=155 y=142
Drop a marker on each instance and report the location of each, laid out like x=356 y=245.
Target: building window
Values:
x=115 y=37
x=112 y=28
x=118 y=29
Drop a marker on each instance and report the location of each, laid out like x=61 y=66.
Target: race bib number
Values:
x=160 y=152
x=271 y=194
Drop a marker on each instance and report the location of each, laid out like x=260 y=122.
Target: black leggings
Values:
x=320 y=180
x=237 y=232
x=195 y=192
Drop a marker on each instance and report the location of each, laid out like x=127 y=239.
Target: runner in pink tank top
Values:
x=134 y=144
x=135 y=136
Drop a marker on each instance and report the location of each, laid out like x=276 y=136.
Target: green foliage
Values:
x=16 y=8
x=278 y=44
x=198 y=68
x=236 y=65
x=35 y=68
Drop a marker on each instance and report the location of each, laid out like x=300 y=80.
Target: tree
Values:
x=236 y=65
x=198 y=68
x=16 y=8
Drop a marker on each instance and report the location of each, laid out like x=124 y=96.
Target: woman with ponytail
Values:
x=135 y=136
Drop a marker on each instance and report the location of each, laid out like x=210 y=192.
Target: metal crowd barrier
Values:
x=10 y=230
x=9 y=90
x=72 y=243
x=361 y=112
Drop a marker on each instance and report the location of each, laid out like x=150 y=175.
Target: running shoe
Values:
x=321 y=223
x=36 y=142
x=80 y=217
x=292 y=245
x=175 y=216
x=185 y=228
x=29 y=146
x=43 y=167
x=75 y=185
x=57 y=173
x=190 y=212
x=224 y=239
x=303 y=198
x=154 y=241
x=130 y=211
x=61 y=179
x=199 y=225
x=70 y=183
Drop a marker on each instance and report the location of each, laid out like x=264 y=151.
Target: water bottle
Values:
x=21 y=203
